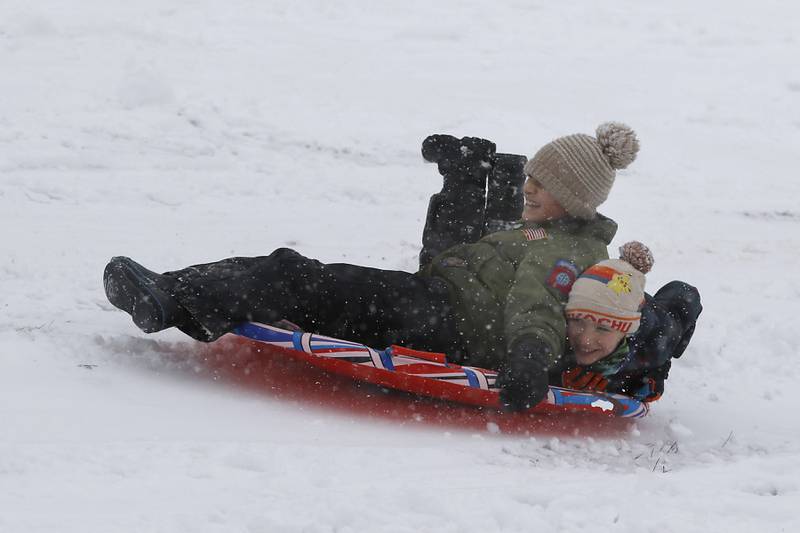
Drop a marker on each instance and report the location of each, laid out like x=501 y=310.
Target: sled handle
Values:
x=419 y=354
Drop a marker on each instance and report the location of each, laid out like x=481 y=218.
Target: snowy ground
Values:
x=178 y=132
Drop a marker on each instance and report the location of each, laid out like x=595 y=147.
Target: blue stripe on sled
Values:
x=629 y=405
x=386 y=359
x=297 y=341
x=254 y=332
x=471 y=378
x=577 y=399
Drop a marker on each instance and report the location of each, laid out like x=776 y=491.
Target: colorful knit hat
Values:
x=611 y=293
x=579 y=170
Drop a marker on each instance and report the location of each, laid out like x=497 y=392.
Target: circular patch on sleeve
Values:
x=562 y=276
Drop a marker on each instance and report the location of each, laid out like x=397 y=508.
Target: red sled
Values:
x=359 y=378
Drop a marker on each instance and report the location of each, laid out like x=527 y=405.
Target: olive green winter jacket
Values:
x=515 y=283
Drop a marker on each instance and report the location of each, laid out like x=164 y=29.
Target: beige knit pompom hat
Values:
x=611 y=292
x=579 y=170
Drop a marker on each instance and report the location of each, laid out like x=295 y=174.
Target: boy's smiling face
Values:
x=590 y=341
x=540 y=205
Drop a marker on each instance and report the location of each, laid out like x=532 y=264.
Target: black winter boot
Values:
x=143 y=294
x=456 y=214
x=504 y=197
x=440 y=147
x=460 y=161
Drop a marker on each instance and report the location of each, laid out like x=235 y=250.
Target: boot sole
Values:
x=128 y=288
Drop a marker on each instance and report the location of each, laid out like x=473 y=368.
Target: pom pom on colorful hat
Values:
x=611 y=293
x=579 y=170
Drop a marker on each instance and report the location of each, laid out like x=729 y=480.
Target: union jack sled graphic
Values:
x=425 y=374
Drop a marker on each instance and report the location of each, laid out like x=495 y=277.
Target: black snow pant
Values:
x=368 y=305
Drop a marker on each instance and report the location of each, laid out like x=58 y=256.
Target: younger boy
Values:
x=621 y=339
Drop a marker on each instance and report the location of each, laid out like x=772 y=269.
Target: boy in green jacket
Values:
x=496 y=303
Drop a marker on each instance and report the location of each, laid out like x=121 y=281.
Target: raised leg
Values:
x=456 y=214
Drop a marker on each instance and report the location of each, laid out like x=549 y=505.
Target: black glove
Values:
x=523 y=379
x=654 y=380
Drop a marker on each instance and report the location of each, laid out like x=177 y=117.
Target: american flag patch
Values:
x=535 y=234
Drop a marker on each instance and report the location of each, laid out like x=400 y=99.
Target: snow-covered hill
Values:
x=179 y=132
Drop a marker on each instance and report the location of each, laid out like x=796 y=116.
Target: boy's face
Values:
x=591 y=342
x=540 y=205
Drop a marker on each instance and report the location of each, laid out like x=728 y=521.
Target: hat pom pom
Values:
x=638 y=255
x=618 y=141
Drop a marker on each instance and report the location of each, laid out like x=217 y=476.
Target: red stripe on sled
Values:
x=424 y=368
x=419 y=354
